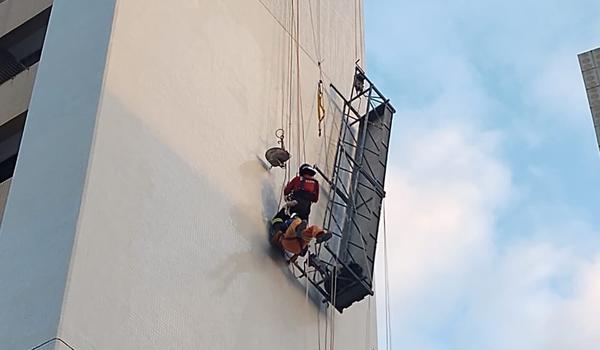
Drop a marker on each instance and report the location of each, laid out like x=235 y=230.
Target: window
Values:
x=10 y=139
x=22 y=47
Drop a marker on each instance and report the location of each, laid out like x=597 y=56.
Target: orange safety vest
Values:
x=296 y=245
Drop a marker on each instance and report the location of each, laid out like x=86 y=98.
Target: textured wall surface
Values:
x=170 y=249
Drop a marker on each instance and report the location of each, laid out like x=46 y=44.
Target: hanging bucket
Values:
x=277 y=156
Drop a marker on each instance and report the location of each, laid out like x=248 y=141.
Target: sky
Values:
x=493 y=219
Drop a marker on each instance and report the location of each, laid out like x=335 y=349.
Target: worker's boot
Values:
x=323 y=236
x=300 y=228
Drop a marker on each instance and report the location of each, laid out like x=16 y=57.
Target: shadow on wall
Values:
x=241 y=262
x=168 y=238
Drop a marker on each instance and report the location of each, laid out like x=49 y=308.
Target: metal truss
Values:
x=343 y=271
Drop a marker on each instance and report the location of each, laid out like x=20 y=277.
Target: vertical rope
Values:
x=319 y=326
x=306 y=311
x=355 y=31
x=361 y=33
x=299 y=113
x=326 y=325
x=368 y=325
x=388 y=319
x=291 y=84
x=333 y=298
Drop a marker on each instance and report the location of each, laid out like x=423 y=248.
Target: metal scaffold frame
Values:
x=343 y=270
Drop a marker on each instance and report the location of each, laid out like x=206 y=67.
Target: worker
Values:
x=303 y=190
x=294 y=236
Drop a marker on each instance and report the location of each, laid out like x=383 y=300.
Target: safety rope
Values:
x=355 y=29
x=333 y=298
x=326 y=324
x=319 y=326
x=290 y=87
x=388 y=316
x=361 y=28
x=368 y=325
x=317 y=43
x=299 y=109
x=306 y=265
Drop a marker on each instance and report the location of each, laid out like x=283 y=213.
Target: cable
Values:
x=355 y=31
x=361 y=28
x=326 y=324
x=291 y=84
x=306 y=265
x=368 y=326
x=299 y=111
x=388 y=316
x=316 y=33
x=319 y=326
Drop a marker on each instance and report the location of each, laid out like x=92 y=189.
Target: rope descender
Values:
x=320 y=106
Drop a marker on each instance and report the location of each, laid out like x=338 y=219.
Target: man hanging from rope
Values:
x=294 y=235
x=302 y=191
x=290 y=224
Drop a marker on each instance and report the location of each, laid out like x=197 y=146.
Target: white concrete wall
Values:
x=170 y=250
x=13 y=13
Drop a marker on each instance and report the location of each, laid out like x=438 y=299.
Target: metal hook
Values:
x=280 y=134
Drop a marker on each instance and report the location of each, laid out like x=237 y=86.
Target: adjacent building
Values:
x=22 y=31
x=590 y=68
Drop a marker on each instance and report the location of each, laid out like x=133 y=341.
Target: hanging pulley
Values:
x=278 y=156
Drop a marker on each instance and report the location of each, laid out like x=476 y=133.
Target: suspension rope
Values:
x=388 y=316
x=326 y=325
x=299 y=110
x=290 y=87
x=333 y=298
x=306 y=265
x=355 y=30
x=368 y=325
x=317 y=43
x=319 y=327
x=361 y=28
x=316 y=33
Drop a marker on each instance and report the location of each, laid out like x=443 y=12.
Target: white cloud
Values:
x=453 y=285
x=455 y=282
x=575 y=324
x=441 y=214
x=557 y=88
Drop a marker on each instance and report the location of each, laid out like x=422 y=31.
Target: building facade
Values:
x=137 y=211
x=590 y=69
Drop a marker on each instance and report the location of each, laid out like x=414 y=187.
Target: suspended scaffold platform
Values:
x=342 y=268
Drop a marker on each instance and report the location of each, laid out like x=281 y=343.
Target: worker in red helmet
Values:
x=303 y=190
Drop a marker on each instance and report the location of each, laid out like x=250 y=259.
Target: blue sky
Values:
x=493 y=197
